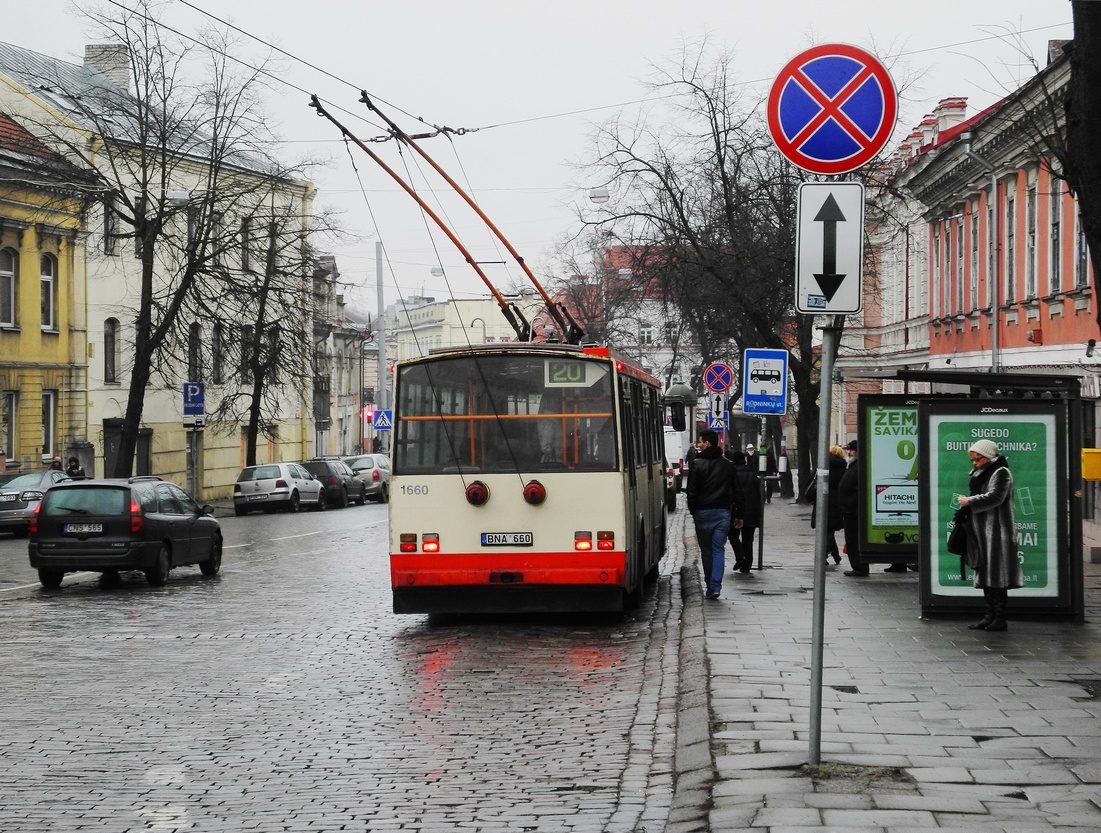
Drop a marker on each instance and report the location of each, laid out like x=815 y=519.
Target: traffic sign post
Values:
x=829 y=248
x=832 y=108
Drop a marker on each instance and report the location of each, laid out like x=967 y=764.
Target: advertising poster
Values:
x=889 y=460
x=1032 y=438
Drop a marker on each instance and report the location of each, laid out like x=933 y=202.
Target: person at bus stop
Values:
x=848 y=497
x=747 y=509
x=837 y=466
x=710 y=501
x=992 y=537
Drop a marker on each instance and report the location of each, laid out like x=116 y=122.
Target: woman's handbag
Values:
x=957 y=538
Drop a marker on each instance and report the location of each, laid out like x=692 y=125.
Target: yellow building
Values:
x=43 y=342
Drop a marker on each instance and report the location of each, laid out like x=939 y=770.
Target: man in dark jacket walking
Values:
x=710 y=499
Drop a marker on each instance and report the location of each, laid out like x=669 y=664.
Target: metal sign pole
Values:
x=830 y=336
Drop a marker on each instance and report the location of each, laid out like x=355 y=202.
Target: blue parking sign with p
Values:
x=194 y=401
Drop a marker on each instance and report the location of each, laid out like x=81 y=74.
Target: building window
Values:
x=974 y=277
x=219 y=242
x=959 y=265
x=9 y=273
x=110 y=226
x=645 y=333
x=247 y=349
x=111 y=350
x=992 y=238
x=1010 y=245
x=1081 y=258
x=1030 y=243
x=7 y=424
x=217 y=346
x=49 y=422
x=48 y=283
x=1055 y=277
x=246 y=244
x=195 y=352
x=938 y=297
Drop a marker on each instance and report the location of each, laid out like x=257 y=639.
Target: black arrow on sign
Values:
x=829 y=215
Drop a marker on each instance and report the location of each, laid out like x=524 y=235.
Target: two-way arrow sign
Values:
x=829 y=248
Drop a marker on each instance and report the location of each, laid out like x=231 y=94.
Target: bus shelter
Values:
x=914 y=461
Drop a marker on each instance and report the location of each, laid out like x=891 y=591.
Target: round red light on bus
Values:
x=535 y=493
x=477 y=493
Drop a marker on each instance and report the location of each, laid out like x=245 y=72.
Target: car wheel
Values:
x=50 y=578
x=362 y=499
x=295 y=503
x=212 y=565
x=240 y=510
x=670 y=500
x=342 y=501
x=321 y=504
x=157 y=574
x=385 y=493
x=22 y=532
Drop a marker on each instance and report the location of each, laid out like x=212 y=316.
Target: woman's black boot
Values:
x=1001 y=601
x=987 y=620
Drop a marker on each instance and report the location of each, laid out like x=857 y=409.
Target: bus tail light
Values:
x=477 y=493
x=605 y=540
x=430 y=542
x=582 y=540
x=407 y=542
x=535 y=493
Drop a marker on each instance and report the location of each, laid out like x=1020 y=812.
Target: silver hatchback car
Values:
x=374 y=471
x=20 y=494
x=276 y=486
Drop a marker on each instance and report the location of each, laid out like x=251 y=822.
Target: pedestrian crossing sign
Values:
x=718 y=423
x=384 y=420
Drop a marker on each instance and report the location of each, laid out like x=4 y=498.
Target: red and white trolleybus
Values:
x=526 y=477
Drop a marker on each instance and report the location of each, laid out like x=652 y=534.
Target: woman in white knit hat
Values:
x=992 y=539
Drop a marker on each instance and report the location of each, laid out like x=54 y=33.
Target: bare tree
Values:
x=181 y=165
x=718 y=202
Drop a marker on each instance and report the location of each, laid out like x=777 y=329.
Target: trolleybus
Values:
x=525 y=477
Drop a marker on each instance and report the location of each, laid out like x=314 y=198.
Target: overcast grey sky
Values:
x=534 y=78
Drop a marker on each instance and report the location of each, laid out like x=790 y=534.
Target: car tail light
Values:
x=477 y=493
x=535 y=493
x=236 y=488
x=280 y=483
x=30 y=495
x=34 y=519
x=376 y=475
x=582 y=540
x=332 y=480
x=430 y=542
x=407 y=542
x=605 y=540
x=136 y=519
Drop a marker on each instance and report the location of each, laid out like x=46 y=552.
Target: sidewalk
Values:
x=925 y=723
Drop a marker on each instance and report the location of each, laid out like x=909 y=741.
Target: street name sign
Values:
x=832 y=108
x=829 y=248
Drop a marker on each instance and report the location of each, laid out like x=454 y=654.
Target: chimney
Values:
x=950 y=112
x=111 y=60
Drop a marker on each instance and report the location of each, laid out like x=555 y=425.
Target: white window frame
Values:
x=49 y=423
x=111 y=337
x=1031 y=288
x=47 y=281
x=8 y=402
x=9 y=281
x=1055 y=242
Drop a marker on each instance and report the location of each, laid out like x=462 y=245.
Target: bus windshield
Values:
x=504 y=413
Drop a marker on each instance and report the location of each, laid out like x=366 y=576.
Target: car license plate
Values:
x=76 y=529
x=507 y=539
x=257 y=497
x=8 y=498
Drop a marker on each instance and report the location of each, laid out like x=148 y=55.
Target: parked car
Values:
x=107 y=526
x=20 y=495
x=341 y=486
x=374 y=471
x=670 y=486
x=277 y=486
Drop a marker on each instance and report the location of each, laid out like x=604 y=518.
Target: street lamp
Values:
x=599 y=195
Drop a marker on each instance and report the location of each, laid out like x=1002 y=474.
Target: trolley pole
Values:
x=830 y=337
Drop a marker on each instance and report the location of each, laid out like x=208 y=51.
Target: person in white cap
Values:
x=992 y=539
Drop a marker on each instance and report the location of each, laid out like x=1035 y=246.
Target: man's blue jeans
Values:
x=712 y=527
